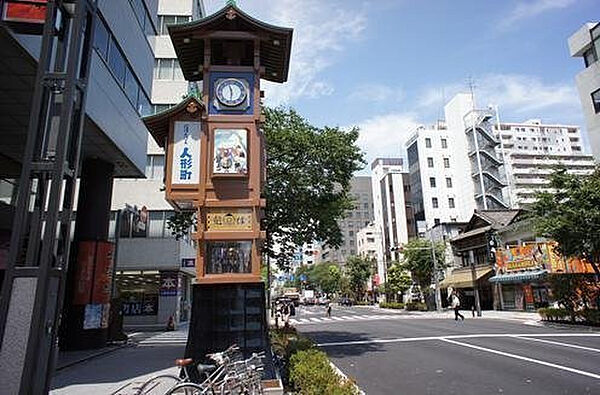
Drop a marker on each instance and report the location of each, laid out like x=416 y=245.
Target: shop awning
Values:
x=462 y=278
x=519 y=276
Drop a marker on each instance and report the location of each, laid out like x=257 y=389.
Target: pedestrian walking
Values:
x=329 y=310
x=455 y=303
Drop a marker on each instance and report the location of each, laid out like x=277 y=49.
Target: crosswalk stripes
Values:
x=166 y=338
x=344 y=318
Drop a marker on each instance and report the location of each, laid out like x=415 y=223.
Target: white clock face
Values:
x=231 y=92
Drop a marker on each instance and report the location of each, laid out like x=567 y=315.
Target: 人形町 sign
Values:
x=185 y=165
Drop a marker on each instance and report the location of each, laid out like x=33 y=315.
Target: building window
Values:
x=168 y=69
x=155 y=165
x=451 y=202
x=444 y=143
x=428 y=142
x=448 y=182
x=432 y=182
x=596 y=100
x=447 y=163
x=434 y=202
x=164 y=20
x=143 y=17
x=429 y=162
x=108 y=49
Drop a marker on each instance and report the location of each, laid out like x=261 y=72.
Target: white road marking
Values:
x=558 y=343
x=348 y=317
x=316 y=319
x=522 y=358
x=473 y=336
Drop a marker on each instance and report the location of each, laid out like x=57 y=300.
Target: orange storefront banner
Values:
x=93 y=278
x=25 y=11
x=541 y=256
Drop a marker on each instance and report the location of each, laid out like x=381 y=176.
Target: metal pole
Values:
x=475 y=285
x=438 y=295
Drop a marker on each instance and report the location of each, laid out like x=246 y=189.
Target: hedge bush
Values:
x=591 y=316
x=416 y=306
x=312 y=374
x=391 y=305
x=553 y=314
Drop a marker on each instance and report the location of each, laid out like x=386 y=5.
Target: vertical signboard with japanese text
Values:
x=186 y=153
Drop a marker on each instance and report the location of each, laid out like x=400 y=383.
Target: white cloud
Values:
x=517 y=95
x=530 y=9
x=376 y=93
x=322 y=30
x=385 y=135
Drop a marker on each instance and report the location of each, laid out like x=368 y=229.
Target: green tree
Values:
x=398 y=280
x=418 y=260
x=569 y=213
x=308 y=181
x=359 y=271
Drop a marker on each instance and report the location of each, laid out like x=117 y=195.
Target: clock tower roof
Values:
x=158 y=124
x=227 y=25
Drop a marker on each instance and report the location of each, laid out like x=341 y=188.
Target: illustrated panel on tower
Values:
x=231 y=93
x=230 y=152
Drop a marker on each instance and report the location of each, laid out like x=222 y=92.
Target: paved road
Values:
x=405 y=355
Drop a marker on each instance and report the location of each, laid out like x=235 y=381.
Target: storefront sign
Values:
x=25 y=11
x=188 y=262
x=229 y=220
x=103 y=272
x=185 y=163
x=84 y=275
x=147 y=306
x=541 y=255
x=168 y=283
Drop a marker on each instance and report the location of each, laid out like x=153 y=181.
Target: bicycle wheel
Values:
x=189 y=389
x=158 y=385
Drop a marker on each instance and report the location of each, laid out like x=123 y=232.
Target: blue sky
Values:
x=387 y=65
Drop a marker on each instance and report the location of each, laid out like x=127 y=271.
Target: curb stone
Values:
x=342 y=374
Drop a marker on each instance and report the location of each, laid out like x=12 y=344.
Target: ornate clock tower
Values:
x=216 y=166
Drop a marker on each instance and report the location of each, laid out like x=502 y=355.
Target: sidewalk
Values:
x=485 y=314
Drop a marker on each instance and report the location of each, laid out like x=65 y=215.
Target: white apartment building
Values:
x=532 y=149
x=434 y=173
x=585 y=43
x=394 y=219
x=149 y=255
x=359 y=217
x=368 y=241
x=311 y=254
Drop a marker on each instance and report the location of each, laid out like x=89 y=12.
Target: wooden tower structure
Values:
x=215 y=165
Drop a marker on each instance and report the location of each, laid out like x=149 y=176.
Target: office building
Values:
x=433 y=173
x=532 y=150
x=585 y=43
x=394 y=219
x=368 y=241
x=149 y=257
x=356 y=219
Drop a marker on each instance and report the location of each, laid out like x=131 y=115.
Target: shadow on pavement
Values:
x=125 y=364
x=331 y=336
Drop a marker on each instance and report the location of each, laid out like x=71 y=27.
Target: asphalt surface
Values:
x=388 y=352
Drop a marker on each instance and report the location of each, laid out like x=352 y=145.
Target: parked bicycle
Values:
x=231 y=374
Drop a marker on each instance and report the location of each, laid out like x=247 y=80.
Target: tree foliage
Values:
x=308 y=181
x=322 y=277
x=569 y=213
x=359 y=270
x=398 y=280
x=418 y=260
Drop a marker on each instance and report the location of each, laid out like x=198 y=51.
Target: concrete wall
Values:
x=588 y=81
x=148 y=254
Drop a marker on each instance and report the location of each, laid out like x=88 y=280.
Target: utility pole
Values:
x=438 y=295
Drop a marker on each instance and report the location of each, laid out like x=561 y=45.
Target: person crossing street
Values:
x=455 y=304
